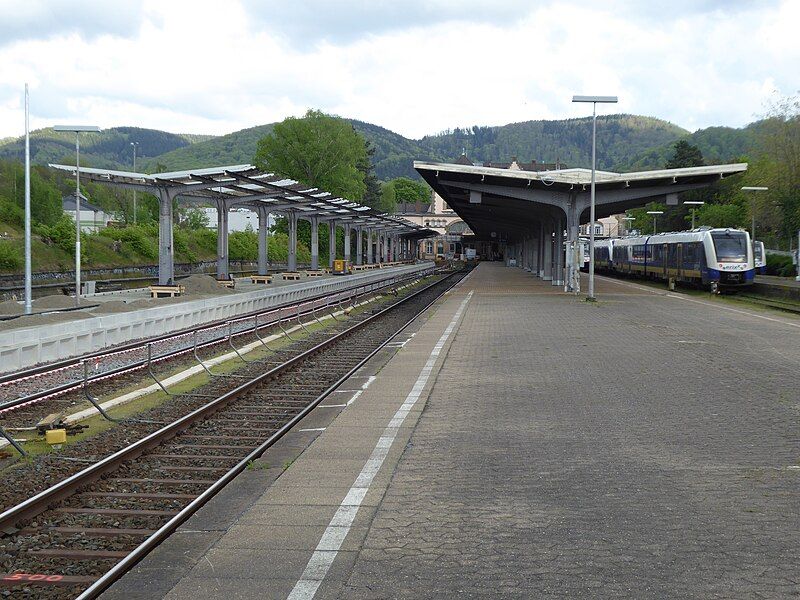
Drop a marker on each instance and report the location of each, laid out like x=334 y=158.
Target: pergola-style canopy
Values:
x=246 y=185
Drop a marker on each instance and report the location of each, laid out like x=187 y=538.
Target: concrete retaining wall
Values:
x=26 y=347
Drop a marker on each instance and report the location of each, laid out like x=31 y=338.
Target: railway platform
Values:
x=516 y=442
x=112 y=319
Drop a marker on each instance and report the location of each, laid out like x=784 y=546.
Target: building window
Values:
x=428 y=247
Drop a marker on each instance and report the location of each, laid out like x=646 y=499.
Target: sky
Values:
x=416 y=67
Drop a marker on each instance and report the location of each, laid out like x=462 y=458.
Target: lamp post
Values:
x=627 y=225
x=594 y=100
x=655 y=214
x=133 y=145
x=28 y=297
x=694 y=203
x=751 y=188
x=77 y=129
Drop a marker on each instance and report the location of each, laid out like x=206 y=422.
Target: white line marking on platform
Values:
x=313 y=429
x=328 y=547
x=332 y=405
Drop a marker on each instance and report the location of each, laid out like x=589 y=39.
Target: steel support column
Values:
x=291 y=262
x=331 y=242
x=574 y=257
x=558 y=252
x=347 y=243
x=223 y=265
x=359 y=245
x=548 y=250
x=369 y=246
x=166 y=249
x=263 y=242
x=314 y=242
x=542 y=257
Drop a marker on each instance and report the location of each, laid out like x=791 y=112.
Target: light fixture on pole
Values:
x=134 y=144
x=753 y=188
x=28 y=298
x=594 y=100
x=77 y=129
x=694 y=203
x=627 y=225
x=655 y=214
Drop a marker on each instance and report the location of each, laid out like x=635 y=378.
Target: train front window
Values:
x=757 y=252
x=730 y=246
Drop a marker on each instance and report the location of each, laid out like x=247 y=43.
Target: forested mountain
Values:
x=109 y=148
x=567 y=141
x=624 y=142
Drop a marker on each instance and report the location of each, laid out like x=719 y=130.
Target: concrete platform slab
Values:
x=644 y=446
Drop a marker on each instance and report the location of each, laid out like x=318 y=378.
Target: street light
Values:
x=694 y=203
x=655 y=214
x=751 y=188
x=77 y=129
x=594 y=100
x=627 y=225
x=134 y=144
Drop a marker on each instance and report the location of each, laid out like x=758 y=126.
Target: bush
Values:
x=780 y=265
x=243 y=245
x=181 y=240
x=11 y=213
x=139 y=239
x=10 y=259
x=204 y=239
x=61 y=234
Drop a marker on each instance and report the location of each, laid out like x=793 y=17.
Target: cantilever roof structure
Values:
x=510 y=203
x=246 y=185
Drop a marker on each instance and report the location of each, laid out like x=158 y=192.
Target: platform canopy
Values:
x=246 y=185
x=510 y=202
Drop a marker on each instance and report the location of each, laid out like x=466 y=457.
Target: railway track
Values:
x=78 y=536
x=29 y=395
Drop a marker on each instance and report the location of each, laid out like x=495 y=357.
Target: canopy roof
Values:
x=500 y=203
x=246 y=185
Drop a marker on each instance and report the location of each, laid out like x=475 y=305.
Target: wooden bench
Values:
x=291 y=276
x=261 y=278
x=166 y=291
x=318 y=273
x=359 y=267
x=227 y=283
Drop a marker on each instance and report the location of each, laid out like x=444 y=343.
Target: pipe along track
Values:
x=55 y=382
x=80 y=535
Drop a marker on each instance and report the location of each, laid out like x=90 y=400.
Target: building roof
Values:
x=68 y=203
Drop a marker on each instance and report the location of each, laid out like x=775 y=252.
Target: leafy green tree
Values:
x=372 y=187
x=388 y=202
x=685 y=155
x=410 y=191
x=721 y=215
x=319 y=150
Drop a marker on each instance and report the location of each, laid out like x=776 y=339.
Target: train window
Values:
x=730 y=246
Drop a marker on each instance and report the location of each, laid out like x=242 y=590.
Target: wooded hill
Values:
x=625 y=142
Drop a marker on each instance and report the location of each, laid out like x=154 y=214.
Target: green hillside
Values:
x=718 y=145
x=109 y=148
x=624 y=142
x=568 y=141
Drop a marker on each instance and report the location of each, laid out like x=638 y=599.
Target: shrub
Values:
x=61 y=234
x=181 y=240
x=243 y=245
x=11 y=213
x=780 y=265
x=205 y=239
x=137 y=238
x=10 y=259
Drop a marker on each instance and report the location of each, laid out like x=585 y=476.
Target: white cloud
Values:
x=210 y=67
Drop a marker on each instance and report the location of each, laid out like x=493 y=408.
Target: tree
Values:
x=685 y=155
x=373 y=194
x=319 y=150
x=388 y=203
x=410 y=191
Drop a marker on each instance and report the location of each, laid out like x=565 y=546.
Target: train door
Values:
x=664 y=260
x=679 y=261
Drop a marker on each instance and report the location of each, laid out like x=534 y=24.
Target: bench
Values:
x=318 y=273
x=261 y=278
x=291 y=276
x=166 y=291
x=228 y=283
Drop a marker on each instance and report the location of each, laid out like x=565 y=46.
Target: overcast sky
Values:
x=416 y=67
